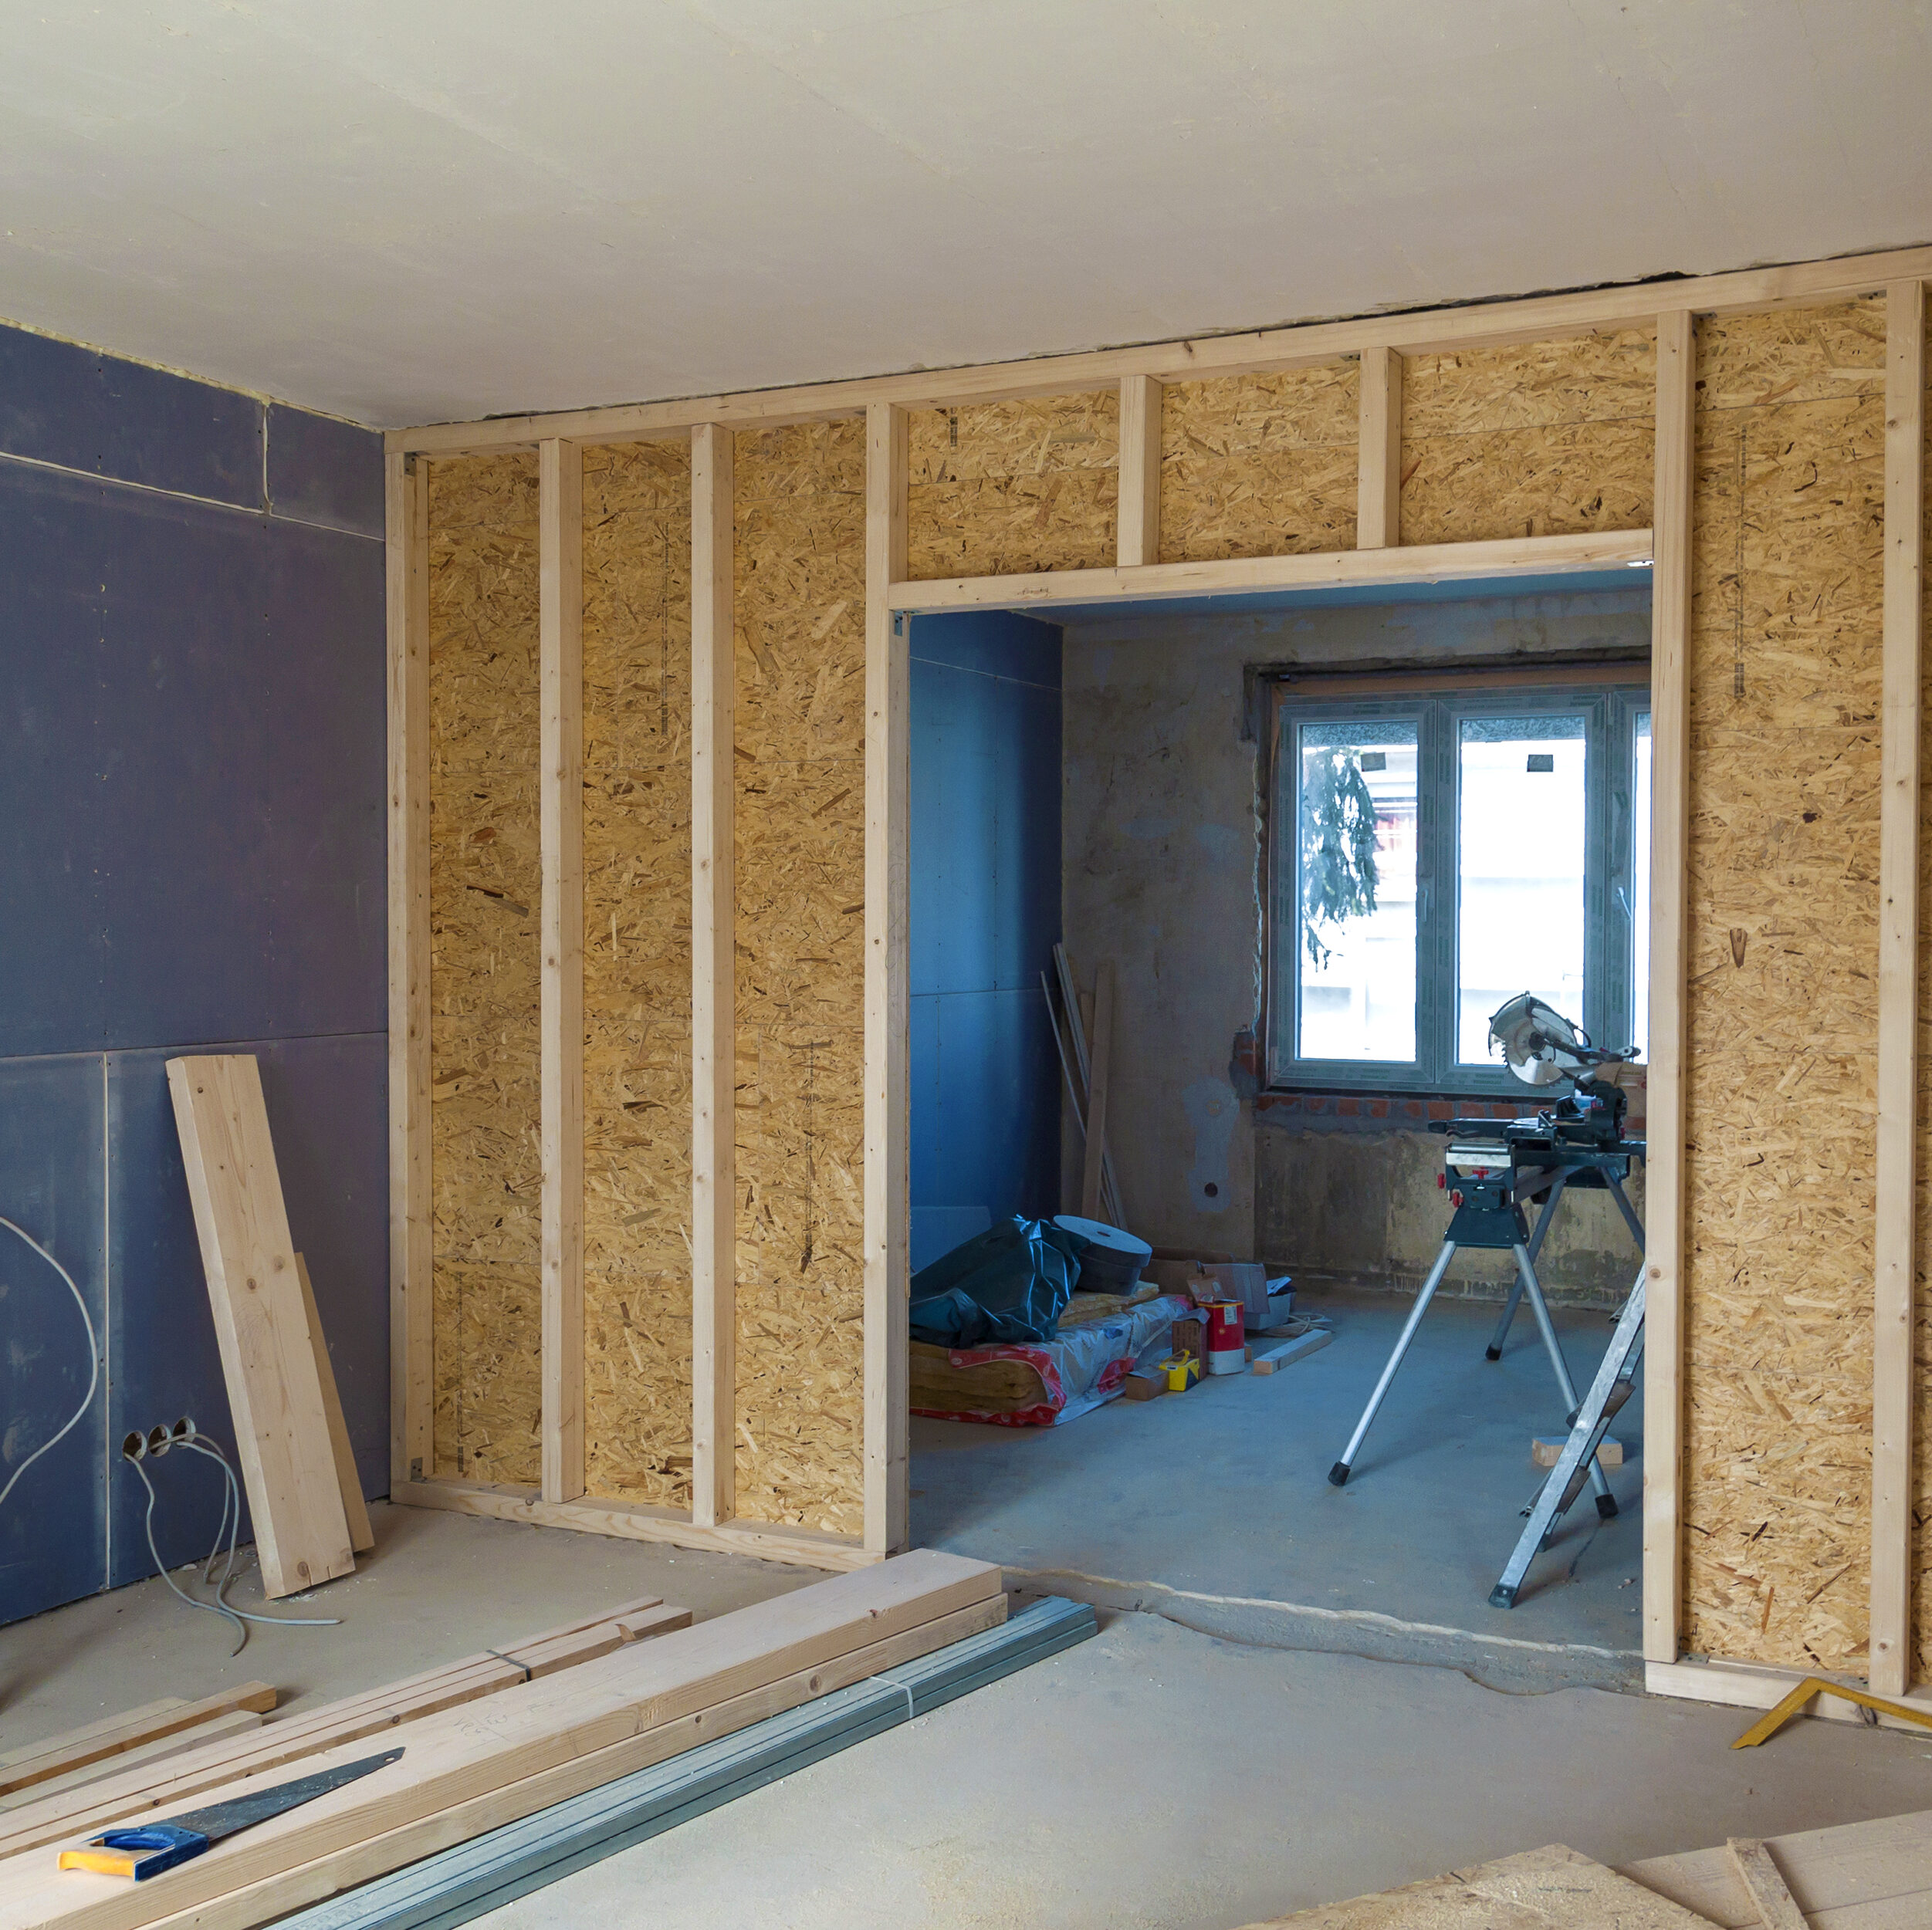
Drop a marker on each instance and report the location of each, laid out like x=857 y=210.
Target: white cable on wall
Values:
x=93 y=1359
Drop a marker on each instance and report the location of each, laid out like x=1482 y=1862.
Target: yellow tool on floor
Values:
x=1770 y=1723
x=1182 y=1370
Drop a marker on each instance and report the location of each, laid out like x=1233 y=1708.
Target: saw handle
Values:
x=116 y=1852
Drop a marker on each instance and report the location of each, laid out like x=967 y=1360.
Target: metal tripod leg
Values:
x=1625 y=1208
x=1339 y=1473
x=1494 y=1351
x=1613 y=1385
x=1606 y=1503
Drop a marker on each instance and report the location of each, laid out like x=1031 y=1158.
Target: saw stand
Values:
x=1492 y=1168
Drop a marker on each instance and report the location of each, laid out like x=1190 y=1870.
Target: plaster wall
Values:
x=1161 y=841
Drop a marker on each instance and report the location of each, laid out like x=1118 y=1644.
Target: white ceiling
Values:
x=404 y=211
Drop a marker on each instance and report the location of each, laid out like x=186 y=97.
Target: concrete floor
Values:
x=1156 y=1774
x=1213 y=1507
x=437 y=1587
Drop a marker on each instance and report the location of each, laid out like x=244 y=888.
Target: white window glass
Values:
x=1355 y=875
x=1640 y=892
x=1520 y=847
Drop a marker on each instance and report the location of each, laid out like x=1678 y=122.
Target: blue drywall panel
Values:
x=326 y=472
x=193 y=844
x=954 y=869
x=327 y=1113
x=995 y=642
x=985 y=914
x=63 y=403
x=239 y=832
x=1026 y=854
x=51 y=1529
x=54 y=559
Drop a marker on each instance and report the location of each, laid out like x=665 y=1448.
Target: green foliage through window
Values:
x=1338 y=876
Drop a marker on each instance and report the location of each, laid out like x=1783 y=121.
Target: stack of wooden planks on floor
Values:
x=122 y=1793
x=539 y=1739
x=118 y=1741
x=1859 y=1876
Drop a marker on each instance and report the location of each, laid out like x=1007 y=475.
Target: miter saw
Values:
x=1493 y=1167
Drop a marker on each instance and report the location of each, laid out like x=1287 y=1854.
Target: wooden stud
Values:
x=1139 y=528
x=1378 y=464
x=361 y=1536
x=1484 y=325
x=888 y=1203
x=275 y=1396
x=1341 y=569
x=1103 y=1054
x=1666 y=1242
x=714 y=1253
x=1893 y=1484
x=1770 y=1894
x=560 y=524
x=411 y=1322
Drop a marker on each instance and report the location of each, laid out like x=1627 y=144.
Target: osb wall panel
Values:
x=800 y=756
x=1922 y=1502
x=1012 y=487
x=1540 y=439
x=637 y=972
x=1782 y=1008
x=1259 y=465
x=485 y=900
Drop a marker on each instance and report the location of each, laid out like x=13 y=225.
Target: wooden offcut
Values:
x=1099 y=1083
x=261 y=1325
x=486 y=897
x=1551 y=1889
x=361 y=1536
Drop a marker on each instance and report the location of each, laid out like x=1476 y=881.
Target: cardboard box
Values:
x=1246 y=1281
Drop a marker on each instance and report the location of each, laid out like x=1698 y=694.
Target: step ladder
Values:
x=1614 y=1383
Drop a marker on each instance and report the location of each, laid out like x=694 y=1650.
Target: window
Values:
x=1435 y=851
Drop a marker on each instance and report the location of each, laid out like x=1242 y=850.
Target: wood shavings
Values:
x=1259 y=465
x=800 y=842
x=1008 y=488
x=1782 y=1004
x=637 y=972
x=1537 y=439
x=485 y=879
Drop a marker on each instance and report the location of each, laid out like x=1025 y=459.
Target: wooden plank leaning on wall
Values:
x=887 y=1182
x=412 y=1306
x=714 y=1305
x=1893 y=1471
x=560 y=513
x=1665 y=1239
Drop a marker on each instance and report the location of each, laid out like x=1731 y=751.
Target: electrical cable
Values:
x=93 y=1357
x=228 y=1528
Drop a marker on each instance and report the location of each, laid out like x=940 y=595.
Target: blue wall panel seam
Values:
x=182 y=496
x=107 y=1332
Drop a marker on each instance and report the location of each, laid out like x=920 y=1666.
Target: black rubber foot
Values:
x=1606 y=1505
x=1502 y=1597
x=1338 y=1475
x=1492 y=1353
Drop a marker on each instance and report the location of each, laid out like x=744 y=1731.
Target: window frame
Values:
x=1610 y=697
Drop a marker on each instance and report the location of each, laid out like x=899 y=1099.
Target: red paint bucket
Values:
x=1227 y=1343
